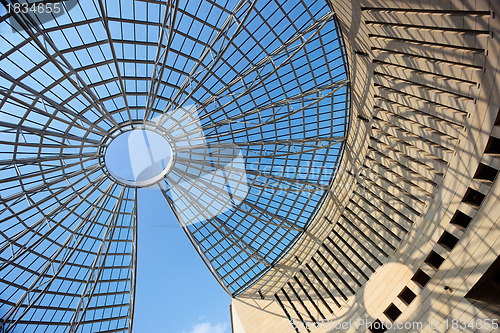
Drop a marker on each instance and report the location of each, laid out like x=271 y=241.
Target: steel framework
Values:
x=267 y=80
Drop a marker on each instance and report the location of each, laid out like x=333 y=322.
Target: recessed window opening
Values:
x=485 y=172
x=377 y=327
x=392 y=312
x=434 y=260
x=493 y=146
x=421 y=278
x=473 y=197
x=460 y=220
x=448 y=241
x=407 y=296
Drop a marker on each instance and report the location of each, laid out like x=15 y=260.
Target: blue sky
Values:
x=176 y=293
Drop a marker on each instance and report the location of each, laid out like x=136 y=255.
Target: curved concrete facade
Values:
x=412 y=221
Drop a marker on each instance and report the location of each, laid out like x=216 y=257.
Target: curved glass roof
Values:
x=252 y=97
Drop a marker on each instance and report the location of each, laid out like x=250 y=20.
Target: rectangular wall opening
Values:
x=473 y=197
x=377 y=327
x=448 y=241
x=392 y=312
x=434 y=260
x=493 y=146
x=485 y=172
x=421 y=278
x=460 y=220
x=407 y=296
x=485 y=294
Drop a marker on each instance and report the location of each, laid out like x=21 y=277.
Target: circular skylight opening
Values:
x=138 y=158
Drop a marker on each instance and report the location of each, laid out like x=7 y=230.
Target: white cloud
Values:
x=209 y=328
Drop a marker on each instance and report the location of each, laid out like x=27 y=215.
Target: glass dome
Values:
x=252 y=97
